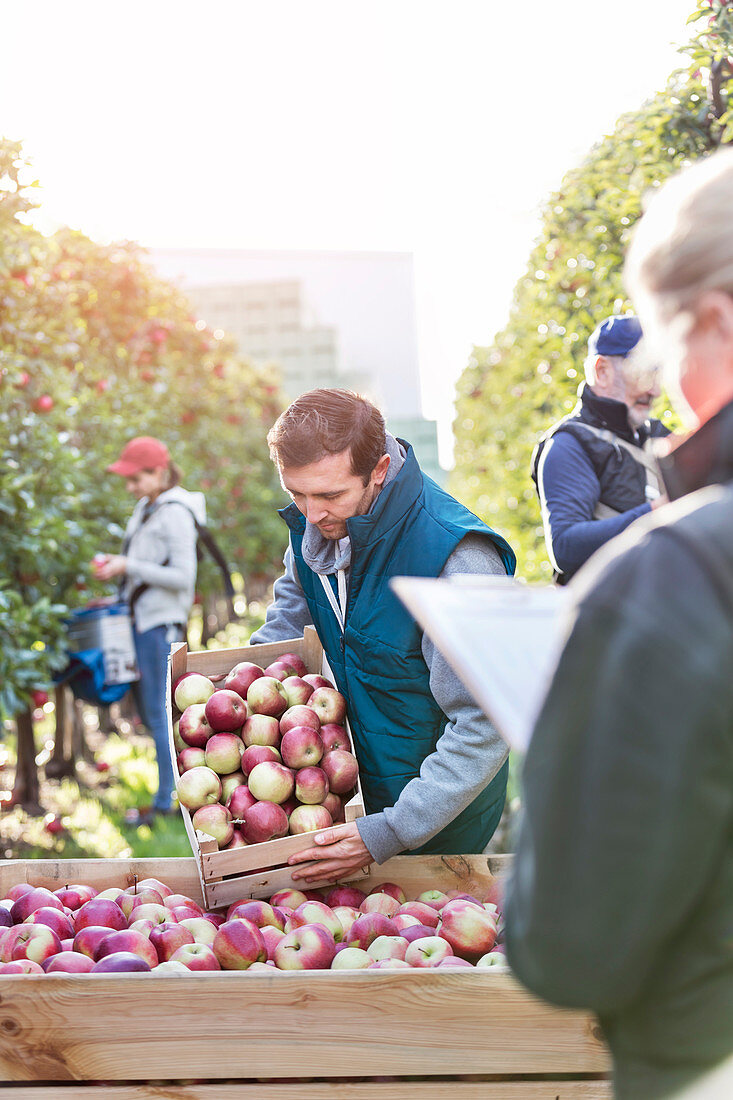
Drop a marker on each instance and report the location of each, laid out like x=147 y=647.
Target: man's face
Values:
x=636 y=385
x=328 y=493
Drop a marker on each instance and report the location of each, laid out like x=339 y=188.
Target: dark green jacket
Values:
x=622 y=893
x=411 y=530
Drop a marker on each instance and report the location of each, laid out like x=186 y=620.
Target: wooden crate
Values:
x=260 y=869
x=432 y=1027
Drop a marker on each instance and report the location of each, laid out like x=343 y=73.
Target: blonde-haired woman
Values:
x=622 y=896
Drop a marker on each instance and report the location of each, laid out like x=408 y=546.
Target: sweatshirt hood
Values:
x=326 y=556
x=195 y=501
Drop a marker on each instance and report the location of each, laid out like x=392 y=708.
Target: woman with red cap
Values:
x=157 y=569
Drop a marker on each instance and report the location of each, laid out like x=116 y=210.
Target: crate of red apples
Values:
x=263 y=759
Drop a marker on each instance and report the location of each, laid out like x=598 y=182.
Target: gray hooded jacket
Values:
x=469 y=752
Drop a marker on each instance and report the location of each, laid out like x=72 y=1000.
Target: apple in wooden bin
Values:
x=345 y=895
x=68 y=962
x=367 y=927
x=74 y=896
x=259 y=912
x=224 y=754
x=190 y=757
x=168 y=937
x=242 y=676
x=351 y=958
x=191 y=689
x=317 y=680
x=216 y=820
x=299 y=716
x=128 y=940
x=261 y=729
x=193 y=726
x=388 y=947
x=267 y=696
x=36 y=898
x=31 y=941
x=294 y=662
x=196 y=956
x=226 y=711
x=297 y=691
x=341 y=770
x=62 y=923
x=334 y=736
x=428 y=951
x=316 y=912
x=308 y=819
x=202 y=930
x=271 y=782
x=380 y=903
x=329 y=705
x=100 y=911
x=198 y=787
x=241 y=799
x=425 y=914
x=255 y=755
x=311 y=947
x=311 y=785
x=300 y=747
x=392 y=888
x=238 y=944
x=88 y=939
x=468 y=928
x=122 y=962
x=264 y=821
x=335 y=807
x=229 y=784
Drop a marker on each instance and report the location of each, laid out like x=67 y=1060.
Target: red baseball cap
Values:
x=143 y=453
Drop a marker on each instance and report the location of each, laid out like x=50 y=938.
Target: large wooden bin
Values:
x=138 y=1036
x=259 y=869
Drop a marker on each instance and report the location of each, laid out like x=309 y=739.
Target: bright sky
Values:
x=430 y=126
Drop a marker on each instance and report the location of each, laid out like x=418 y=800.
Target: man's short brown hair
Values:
x=328 y=422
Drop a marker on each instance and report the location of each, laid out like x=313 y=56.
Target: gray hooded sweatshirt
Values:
x=161 y=552
x=469 y=752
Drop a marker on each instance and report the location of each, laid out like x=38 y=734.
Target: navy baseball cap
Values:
x=615 y=336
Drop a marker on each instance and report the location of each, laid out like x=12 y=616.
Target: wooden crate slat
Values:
x=342 y=1090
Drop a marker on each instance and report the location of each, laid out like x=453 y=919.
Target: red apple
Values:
x=425 y=914
x=392 y=889
x=158 y=914
x=293 y=661
x=128 y=941
x=311 y=947
x=241 y=676
x=256 y=754
x=329 y=705
x=88 y=939
x=454 y=963
x=240 y=800
x=279 y=671
x=468 y=928
x=267 y=696
x=272 y=937
x=100 y=911
x=146 y=896
x=16 y=891
x=238 y=944
x=226 y=711
x=367 y=927
x=68 y=962
x=345 y=895
x=224 y=753
x=299 y=716
x=341 y=770
x=190 y=758
x=259 y=912
x=264 y=821
x=73 y=897
x=122 y=962
x=311 y=785
x=62 y=924
x=196 y=956
x=308 y=819
x=390 y=964
x=155 y=884
x=300 y=747
x=297 y=691
x=198 y=787
x=32 y=941
x=237 y=841
x=335 y=807
x=334 y=737
x=428 y=951
x=216 y=821
x=290 y=897
x=404 y=920
x=36 y=898
x=193 y=726
x=380 y=903
x=316 y=912
x=175 y=900
x=193 y=689
x=271 y=782
x=316 y=680
x=145 y=926
x=21 y=966
x=229 y=784
x=167 y=938
x=261 y=729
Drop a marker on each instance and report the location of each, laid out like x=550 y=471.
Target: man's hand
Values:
x=115 y=565
x=339 y=852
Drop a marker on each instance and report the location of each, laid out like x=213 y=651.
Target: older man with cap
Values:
x=593 y=469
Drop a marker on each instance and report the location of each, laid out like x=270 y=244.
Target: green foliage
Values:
x=94 y=349
x=513 y=390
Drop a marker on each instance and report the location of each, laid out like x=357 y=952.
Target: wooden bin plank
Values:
x=314 y=1024
x=342 y=1090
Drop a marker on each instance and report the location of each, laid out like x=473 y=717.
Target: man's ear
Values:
x=380 y=470
x=604 y=372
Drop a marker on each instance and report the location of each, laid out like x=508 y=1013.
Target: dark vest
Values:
x=411 y=530
x=622 y=478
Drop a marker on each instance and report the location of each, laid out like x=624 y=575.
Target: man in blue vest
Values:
x=433 y=770
x=593 y=469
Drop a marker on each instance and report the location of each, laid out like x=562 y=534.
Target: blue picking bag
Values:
x=102 y=659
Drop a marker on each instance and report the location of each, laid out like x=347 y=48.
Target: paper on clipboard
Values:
x=501 y=637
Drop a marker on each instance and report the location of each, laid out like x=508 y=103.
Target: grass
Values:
x=88 y=809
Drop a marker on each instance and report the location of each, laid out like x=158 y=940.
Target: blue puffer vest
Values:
x=412 y=529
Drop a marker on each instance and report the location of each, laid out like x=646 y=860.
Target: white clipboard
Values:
x=501 y=637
